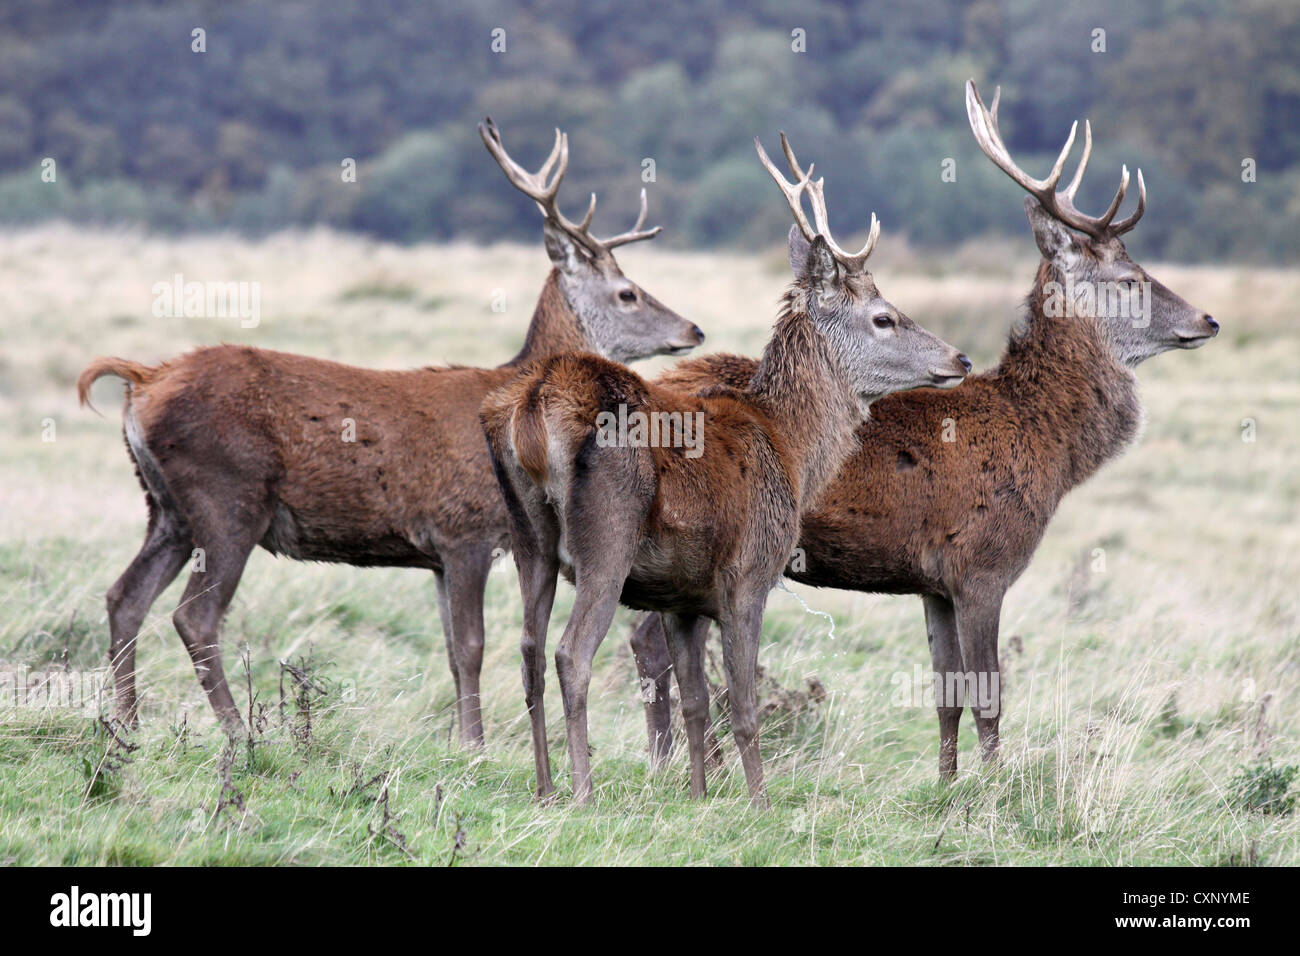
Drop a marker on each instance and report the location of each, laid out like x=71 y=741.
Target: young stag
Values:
x=954 y=514
x=237 y=447
x=646 y=525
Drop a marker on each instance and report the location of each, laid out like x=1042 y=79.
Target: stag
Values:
x=639 y=523
x=957 y=521
x=237 y=447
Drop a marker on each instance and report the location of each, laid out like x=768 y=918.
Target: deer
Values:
x=639 y=522
x=955 y=515
x=237 y=447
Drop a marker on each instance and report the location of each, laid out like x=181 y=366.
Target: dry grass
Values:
x=1134 y=694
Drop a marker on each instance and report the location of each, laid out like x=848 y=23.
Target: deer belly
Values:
x=344 y=539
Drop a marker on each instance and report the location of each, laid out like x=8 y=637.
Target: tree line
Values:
x=247 y=115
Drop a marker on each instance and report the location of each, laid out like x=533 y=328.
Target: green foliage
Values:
x=1263 y=788
x=250 y=134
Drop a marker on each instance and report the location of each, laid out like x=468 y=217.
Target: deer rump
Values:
x=687 y=538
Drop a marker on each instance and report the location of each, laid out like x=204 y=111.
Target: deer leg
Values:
x=444 y=616
x=648 y=646
x=741 y=633
x=654 y=669
x=599 y=584
x=535 y=549
x=537 y=577
x=159 y=560
x=535 y=538
x=603 y=541
x=207 y=595
x=465 y=572
x=945 y=658
x=977 y=634
x=686 y=645
x=712 y=748
x=537 y=584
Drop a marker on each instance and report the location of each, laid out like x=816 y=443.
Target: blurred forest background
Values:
x=251 y=134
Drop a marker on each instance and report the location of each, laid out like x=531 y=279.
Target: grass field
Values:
x=1140 y=680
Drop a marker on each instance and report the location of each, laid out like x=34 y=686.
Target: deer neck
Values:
x=802 y=387
x=1074 y=395
x=554 y=327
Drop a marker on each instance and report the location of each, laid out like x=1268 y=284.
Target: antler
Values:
x=536 y=187
x=1060 y=205
x=855 y=262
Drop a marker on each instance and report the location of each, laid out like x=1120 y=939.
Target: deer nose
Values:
x=965 y=362
x=1214 y=326
x=699 y=333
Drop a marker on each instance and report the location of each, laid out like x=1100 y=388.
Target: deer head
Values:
x=880 y=348
x=619 y=319
x=1094 y=277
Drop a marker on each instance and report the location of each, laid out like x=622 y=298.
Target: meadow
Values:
x=1151 y=651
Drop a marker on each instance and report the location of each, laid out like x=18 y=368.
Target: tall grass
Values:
x=1139 y=680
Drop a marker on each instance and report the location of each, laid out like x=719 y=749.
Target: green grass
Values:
x=1139 y=700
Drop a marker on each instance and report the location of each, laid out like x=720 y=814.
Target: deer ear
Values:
x=820 y=266
x=1055 y=241
x=566 y=255
x=797 y=249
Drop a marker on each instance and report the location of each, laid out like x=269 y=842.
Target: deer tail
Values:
x=132 y=372
x=514 y=421
x=531 y=442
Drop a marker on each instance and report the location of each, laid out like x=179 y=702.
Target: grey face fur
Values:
x=620 y=319
x=883 y=351
x=1139 y=316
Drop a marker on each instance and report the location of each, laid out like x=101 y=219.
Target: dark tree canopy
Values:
x=251 y=134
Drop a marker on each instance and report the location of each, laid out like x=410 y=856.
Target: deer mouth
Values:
x=1192 y=341
x=946 y=379
x=679 y=349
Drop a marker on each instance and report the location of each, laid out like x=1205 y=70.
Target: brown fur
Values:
x=238 y=447
x=955 y=522
x=694 y=538
x=911 y=513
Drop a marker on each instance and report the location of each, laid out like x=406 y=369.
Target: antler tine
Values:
x=1060 y=205
x=793 y=192
x=1104 y=220
x=789 y=156
x=591 y=211
x=869 y=246
x=640 y=217
x=532 y=185
x=536 y=187
x=984 y=124
x=636 y=234
x=1124 y=225
x=561 y=148
x=817 y=199
x=1071 y=189
x=853 y=262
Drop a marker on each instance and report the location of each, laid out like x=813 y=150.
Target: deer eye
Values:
x=883 y=321
x=627 y=295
